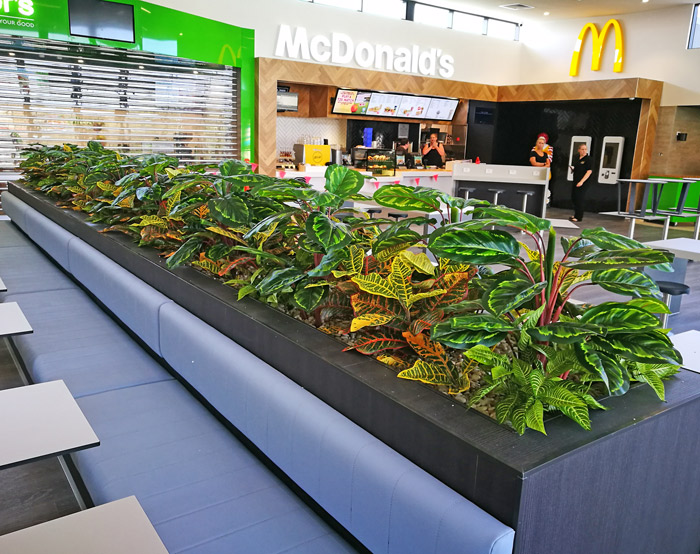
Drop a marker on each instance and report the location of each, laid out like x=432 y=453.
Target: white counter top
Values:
x=521 y=174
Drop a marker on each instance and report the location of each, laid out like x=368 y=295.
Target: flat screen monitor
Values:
x=287 y=101
x=101 y=19
x=392 y=105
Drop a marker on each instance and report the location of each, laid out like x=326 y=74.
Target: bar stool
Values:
x=670 y=289
x=526 y=194
x=467 y=191
x=372 y=211
x=496 y=192
x=397 y=216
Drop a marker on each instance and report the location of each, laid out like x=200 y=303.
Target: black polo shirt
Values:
x=581 y=165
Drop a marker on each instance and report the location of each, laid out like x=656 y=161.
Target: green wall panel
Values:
x=159 y=30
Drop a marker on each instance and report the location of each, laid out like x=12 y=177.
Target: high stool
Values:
x=372 y=211
x=496 y=192
x=467 y=191
x=670 y=289
x=397 y=216
x=526 y=194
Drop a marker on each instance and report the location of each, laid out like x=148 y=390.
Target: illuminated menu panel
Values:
x=414 y=106
x=382 y=104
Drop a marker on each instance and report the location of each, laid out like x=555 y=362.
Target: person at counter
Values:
x=582 y=170
x=433 y=152
x=403 y=148
x=541 y=154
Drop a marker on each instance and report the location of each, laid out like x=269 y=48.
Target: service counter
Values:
x=440 y=179
x=514 y=183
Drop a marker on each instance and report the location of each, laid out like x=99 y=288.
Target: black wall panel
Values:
x=517 y=124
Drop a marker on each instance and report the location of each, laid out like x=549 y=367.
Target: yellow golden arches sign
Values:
x=598 y=43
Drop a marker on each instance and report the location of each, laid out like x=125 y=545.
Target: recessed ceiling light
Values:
x=644 y=1
x=196 y=72
x=140 y=67
x=80 y=60
x=12 y=53
x=546 y=13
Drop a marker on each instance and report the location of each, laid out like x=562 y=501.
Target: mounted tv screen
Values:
x=391 y=105
x=101 y=19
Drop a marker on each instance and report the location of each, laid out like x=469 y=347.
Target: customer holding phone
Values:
x=433 y=152
x=582 y=168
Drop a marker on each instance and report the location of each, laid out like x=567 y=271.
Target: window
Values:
x=431 y=15
x=350 y=4
x=389 y=8
x=694 y=41
x=502 y=29
x=469 y=23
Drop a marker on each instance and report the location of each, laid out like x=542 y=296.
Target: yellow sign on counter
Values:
x=317 y=154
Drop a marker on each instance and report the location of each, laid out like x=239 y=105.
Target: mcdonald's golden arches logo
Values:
x=598 y=43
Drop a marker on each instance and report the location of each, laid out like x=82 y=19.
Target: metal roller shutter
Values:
x=133 y=102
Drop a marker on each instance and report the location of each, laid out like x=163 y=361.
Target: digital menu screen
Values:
x=384 y=104
x=351 y=102
x=441 y=108
x=414 y=106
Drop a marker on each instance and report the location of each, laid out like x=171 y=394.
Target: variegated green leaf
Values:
x=563 y=332
x=534 y=417
x=419 y=262
x=618 y=317
x=184 y=254
x=579 y=414
x=436 y=375
x=152 y=220
x=463 y=332
x=626 y=282
x=393 y=241
x=278 y=280
x=370 y=320
x=376 y=284
x=607 y=367
x=475 y=247
x=485 y=356
x=651 y=347
x=609 y=259
x=511 y=294
x=400 y=280
x=327 y=233
x=652 y=305
x=422 y=295
x=308 y=298
x=402 y=197
x=232 y=211
x=343 y=181
x=506 y=217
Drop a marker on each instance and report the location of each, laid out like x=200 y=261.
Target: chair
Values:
x=372 y=211
x=496 y=192
x=670 y=289
x=396 y=215
x=526 y=194
x=467 y=191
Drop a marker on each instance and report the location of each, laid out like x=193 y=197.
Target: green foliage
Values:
x=283 y=242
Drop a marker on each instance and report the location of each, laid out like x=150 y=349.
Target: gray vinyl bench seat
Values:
x=202 y=488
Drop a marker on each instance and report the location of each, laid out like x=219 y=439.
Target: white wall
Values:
x=478 y=59
x=655 y=43
x=655 y=48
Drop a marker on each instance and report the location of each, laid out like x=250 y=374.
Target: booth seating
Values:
x=202 y=488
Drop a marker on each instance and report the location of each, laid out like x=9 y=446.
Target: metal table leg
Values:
x=633 y=221
x=667 y=223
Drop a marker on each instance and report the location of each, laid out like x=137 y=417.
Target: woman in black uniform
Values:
x=433 y=152
x=582 y=169
x=538 y=155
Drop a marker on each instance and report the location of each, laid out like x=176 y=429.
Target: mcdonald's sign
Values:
x=598 y=43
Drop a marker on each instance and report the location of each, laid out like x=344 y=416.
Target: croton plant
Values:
x=435 y=296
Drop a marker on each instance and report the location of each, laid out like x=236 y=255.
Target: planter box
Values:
x=628 y=486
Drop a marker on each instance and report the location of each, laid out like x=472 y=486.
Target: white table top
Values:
x=38 y=421
x=12 y=320
x=688 y=344
x=119 y=527
x=3 y=288
x=682 y=247
x=562 y=223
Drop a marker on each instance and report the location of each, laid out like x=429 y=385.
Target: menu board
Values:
x=414 y=106
x=351 y=102
x=384 y=105
x=344 y=101
x=441 y=108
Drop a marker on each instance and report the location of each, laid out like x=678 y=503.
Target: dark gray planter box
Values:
x=629 y=486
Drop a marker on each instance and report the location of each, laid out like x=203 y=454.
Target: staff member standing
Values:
x=541 y=154
x=433 y=152
x=582 y=169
